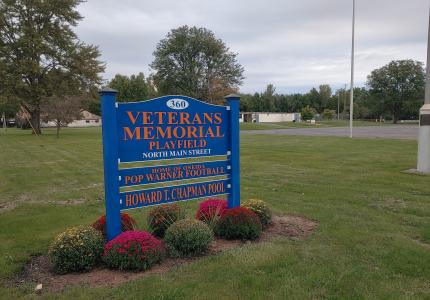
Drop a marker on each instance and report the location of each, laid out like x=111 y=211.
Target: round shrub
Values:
x=133 y=250
x=239 y=223
x=161 y=217
x=76 y=249
x=188 y=237
x=211 y=210
x=261 y=209
x=127 y=223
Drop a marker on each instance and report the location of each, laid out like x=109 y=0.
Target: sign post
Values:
x=168 y=149
x=110 y=158
x=234 y=197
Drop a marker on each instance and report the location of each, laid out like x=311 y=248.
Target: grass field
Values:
x=373 y=239
x=319 y=124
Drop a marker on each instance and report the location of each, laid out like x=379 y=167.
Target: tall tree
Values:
x=324 y=94
x=268 y=98
x=132 y=88
x=398 y=87
x=312 y=99
x=36 y=41
x=192 y=61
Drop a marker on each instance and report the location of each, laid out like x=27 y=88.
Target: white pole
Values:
x=351 y=94
x=344 y=102
x=338 y=99
x=4 y=121
x=423 y=160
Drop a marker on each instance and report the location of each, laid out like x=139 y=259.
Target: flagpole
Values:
x=351 y=93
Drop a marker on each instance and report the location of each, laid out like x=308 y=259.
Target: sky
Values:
x=295 y=45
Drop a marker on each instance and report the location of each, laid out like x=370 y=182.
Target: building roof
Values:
x=86 y=115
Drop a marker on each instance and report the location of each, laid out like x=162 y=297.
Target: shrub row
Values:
x=81 y=248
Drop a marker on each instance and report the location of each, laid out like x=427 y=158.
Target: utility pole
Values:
x=344 y=102
x=351 y=92
x=423 y=161
x=338 y=99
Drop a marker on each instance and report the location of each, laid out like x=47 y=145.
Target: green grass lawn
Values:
x=373 y=239
x=319 y=124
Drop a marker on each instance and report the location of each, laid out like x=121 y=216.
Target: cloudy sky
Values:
x=293 y=44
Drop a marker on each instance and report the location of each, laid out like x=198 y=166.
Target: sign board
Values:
x=186 y=149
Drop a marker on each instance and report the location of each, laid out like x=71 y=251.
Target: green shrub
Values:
x=133 y=250
x=261 y=210
x=161 y=217
x=188 y=237
x=76 y=249
x=239 y=223
x=308 y=113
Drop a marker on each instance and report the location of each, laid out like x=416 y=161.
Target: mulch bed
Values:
x=39 y=269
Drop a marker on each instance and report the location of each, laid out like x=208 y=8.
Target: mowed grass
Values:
x=372 y=240
x=318 y=124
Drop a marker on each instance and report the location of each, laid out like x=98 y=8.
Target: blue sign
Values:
x=161 y=133
x=164 y=173
x=163 y=195
x=171 y=127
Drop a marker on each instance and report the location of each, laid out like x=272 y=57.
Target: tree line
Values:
x=393 y=92
x=46 y=71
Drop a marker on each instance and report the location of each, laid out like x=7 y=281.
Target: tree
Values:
x=132 y=88
x=192 y=61
x=8 y=107
x=62 y=110
x=268 y=98
x=256 y=103
x=308 y=113
x=328 y=114
x=37 y=42
x=324 y=95
x=398 y=87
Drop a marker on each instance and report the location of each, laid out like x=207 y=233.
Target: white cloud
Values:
x=294 y=45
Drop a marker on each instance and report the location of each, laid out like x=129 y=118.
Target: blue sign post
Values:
x=189 y=145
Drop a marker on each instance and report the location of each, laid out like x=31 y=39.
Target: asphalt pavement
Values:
x=408 y=132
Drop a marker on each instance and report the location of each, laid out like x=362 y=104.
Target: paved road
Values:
x=409 y=132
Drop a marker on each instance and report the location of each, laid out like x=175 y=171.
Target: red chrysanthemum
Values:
x=133 y=250
x=211 y=208
x=127 y=223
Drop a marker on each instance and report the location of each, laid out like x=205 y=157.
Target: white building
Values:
x=87 y=120
x=262 y=117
